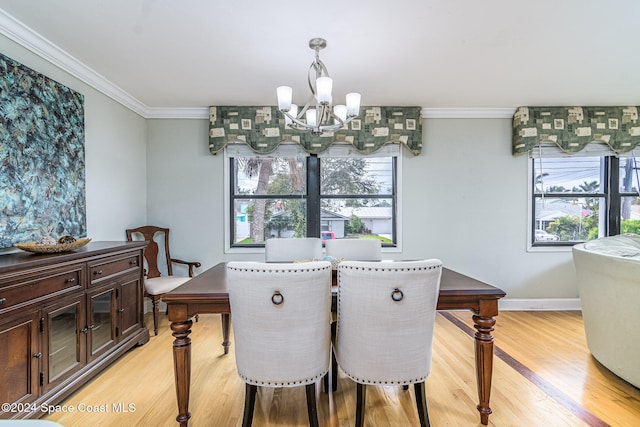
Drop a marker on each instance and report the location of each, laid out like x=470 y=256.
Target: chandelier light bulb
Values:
x=285 y=94
x=311 y=117
x=293 y=111
x=353 y=104
x=323 y=88
x=341 y=112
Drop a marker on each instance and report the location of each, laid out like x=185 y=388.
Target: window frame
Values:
x=313 y=186
x=610 y=196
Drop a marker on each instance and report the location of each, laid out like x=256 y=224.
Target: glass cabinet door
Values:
x=65 y=344
x=101 y=323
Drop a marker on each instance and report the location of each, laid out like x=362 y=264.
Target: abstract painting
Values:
x=42 y=165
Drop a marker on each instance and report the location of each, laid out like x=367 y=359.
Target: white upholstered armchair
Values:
x=281 y=321
x=354 y=249
x=292 y=249
x=386 y=317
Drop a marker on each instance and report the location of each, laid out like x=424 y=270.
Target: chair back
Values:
x=354 y=249
x=292 y=249
x=151 y=252
x=386 y=317
x=281 y=321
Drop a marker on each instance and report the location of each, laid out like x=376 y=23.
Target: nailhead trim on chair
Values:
x=306 y=270
x=361 y=381
x=282 y=384
x=351 y=267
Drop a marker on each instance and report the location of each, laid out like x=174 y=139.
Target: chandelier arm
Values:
x=310 y=102
x=297 y=124
x=319 y=70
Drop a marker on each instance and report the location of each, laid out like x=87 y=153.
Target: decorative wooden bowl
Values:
x=52 y=249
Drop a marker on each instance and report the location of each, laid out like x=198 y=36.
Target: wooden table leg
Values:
x=226 y=323
x=182 y=368
x=484 y=362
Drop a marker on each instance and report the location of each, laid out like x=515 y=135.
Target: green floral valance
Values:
x=572 y=128
x=263 y=129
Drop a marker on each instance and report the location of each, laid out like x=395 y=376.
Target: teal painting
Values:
x=42 y=164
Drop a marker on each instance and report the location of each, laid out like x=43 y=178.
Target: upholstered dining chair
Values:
x=292 y=249
x=354 y=249
x=386 y=318
x=281 y=324
x=156 y=285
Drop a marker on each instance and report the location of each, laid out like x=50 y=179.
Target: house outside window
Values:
x=582 y=197
x=337 y=194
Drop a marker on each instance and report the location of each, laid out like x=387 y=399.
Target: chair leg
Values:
x=312 y=410
x=333 y=372
x=154 y=302
x=226 y=322
x=361 y=397
x=249 y=404
x=421 y=404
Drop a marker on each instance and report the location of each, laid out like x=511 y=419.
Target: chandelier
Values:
x=318 y=115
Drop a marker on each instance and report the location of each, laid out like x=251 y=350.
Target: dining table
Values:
x=207 y=293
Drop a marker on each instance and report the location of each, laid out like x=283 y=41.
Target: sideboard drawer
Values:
x=113 y=266
x=40 y=285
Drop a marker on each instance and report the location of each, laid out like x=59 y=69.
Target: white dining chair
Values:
x=293 y=249
x=386 y=318
x=281 y=321
x=354 y=249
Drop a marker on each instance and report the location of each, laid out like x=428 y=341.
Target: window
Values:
x=338 y=194
x=580 y=198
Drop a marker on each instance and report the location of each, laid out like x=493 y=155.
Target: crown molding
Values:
x=468 y=113
x=177 y=113
x=31 y=40
x=427 y=113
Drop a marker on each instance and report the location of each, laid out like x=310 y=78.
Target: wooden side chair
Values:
x=281 y=324
x=386 y=318
x=156 y=285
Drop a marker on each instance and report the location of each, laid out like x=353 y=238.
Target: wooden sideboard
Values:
x=65 y=317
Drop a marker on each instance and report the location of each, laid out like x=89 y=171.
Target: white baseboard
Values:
x=549 y=304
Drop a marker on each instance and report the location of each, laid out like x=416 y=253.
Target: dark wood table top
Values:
x=212 y=285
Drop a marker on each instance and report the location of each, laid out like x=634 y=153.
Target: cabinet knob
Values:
x=134 y=262
x=91 y=326
x=3 y=301
x=121 y=310
x=37 y=355
x=84 y=330
x=71 y=280
x=97 y=273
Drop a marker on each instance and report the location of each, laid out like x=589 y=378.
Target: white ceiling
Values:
x=437 y=54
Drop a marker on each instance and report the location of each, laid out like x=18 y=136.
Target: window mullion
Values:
x=614 y=202
x=313 y=196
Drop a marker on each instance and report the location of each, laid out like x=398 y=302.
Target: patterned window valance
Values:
x=572 y=128
x=263 y=129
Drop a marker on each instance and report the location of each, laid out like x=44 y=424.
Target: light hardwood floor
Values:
x=543 y=376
